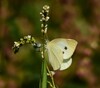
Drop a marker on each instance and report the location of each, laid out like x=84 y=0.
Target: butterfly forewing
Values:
x=67 y=46
x=55 y=55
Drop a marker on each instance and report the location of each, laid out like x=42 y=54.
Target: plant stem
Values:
x=43 y=80
x=44 y=75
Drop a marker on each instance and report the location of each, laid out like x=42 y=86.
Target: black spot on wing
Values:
x=65 y=47
x=63 y=52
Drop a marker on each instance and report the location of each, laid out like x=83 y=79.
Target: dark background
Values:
x=76 y=19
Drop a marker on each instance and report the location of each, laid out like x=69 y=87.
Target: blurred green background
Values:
x=77 y=19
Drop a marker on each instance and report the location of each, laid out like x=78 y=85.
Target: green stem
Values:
x=44 y=74
x=44 y=65
x=43 y=80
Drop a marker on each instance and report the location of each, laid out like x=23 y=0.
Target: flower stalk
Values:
x=44 y=20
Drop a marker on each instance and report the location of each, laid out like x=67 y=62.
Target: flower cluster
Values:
x=26 y=40
x=44 y=13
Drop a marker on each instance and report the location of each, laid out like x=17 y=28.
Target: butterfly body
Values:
x=60 y=51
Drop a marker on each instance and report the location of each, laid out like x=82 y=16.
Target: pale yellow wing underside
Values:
x=55 y=56
x=59 y=50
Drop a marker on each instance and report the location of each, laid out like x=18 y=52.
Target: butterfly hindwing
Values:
x=66 y=63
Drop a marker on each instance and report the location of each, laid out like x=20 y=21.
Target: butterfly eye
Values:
x=65 y=48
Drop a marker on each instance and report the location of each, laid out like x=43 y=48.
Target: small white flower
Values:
x=16 y=44
x=29 y=36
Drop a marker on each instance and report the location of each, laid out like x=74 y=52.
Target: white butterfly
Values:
x=60 y=51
